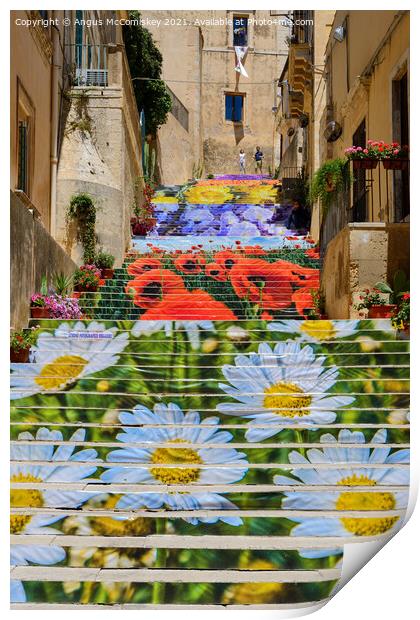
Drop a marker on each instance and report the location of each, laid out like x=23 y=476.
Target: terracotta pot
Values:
x=107 y=273
x=40 y=312
x=21 y=356
x=365 y=164
x=86 y=289
x=382 y=312
x=323 y=317
x=395 y=164
x=76 y=295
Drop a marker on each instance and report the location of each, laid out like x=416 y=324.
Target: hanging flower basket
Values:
x=40 y=312
x=365 y=164
x=384 y=311
x=395 y=164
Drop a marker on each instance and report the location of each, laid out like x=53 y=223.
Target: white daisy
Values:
x=315 y=330
x=189 y=429
x=283 y=386
x=68 y=355
x=51 y=498
x=346 y=474
x=192 y=329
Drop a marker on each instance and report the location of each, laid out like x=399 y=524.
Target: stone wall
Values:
x=33 y=254
x=357 y=258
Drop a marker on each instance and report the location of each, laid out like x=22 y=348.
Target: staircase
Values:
x=201 y=440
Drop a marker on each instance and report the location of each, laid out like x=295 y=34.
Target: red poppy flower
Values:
x=140 y=266
x=217 y=272
x=266 y=316
x=254 y=250
x=267 y=284
x=190 y=263
x=197 y=305
x=303 y=301
x=153 y=286
x=227 y=259
x=312 y=253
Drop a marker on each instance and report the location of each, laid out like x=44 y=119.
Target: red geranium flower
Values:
x=140 y=266
x=153 y=286
x=197 y=305
x=227 y=259
x=267 y=284
x=217 y=272
x=190 y=263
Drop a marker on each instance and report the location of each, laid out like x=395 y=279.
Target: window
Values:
x=240 y=30
x=24 y=141
x=234 y=108
x=23 y=157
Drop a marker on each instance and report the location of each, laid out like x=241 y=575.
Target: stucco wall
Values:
x=30 y=67
x=357 y=258
x=33 y=254
x=369 y=94
x=104 y=161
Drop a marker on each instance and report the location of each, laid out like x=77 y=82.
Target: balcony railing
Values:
x=90 y=64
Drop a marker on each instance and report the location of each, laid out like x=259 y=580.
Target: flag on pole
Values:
x=240 y=54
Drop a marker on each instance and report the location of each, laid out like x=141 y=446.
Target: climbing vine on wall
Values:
x=82 y=209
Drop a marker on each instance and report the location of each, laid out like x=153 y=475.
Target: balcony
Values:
x=89 y=64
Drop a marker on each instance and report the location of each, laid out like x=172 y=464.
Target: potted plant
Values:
x=365 y=158
x=374 y=302
x=86 y=279
x=39 y=307
x=63 y=308
x=62 y=284
x=400 y=284
x=143 y=220
x=20 y=344
x=318 y=310
x=329 y=180
x=401 y=318
x=395 y=157
x=105 y=261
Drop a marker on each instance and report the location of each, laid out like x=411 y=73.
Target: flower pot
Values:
x=107 y=273
x=21 y=356
x=395 y=164
x=364 y=164
x=385 y=311
x=85 y=289
x=40 y=312
x=323 y=317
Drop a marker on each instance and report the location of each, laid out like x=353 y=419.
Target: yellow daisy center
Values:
x=175 y=456
x=107 y=526
x=287 y=400
x=255 y=593
x=63 y=370
x=321 y=330
x=365 y=501
x=23 y=498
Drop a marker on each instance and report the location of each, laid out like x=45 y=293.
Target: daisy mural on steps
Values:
x=182 y=432
x=30 y=472
x=354 y=469
x=283 y=386
x=315 y=331
x=69 y=354
x=191 y=328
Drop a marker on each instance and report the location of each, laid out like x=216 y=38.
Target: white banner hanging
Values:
x=240 y=54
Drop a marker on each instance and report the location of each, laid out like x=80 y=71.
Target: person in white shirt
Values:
x=242 y=161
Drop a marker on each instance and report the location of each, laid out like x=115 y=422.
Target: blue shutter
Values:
x=228 y=107
x=238 y=99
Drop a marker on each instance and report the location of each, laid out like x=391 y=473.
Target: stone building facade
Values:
x=222 y=111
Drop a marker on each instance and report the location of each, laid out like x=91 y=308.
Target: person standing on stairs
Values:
x=259 y=156
x=242 y=169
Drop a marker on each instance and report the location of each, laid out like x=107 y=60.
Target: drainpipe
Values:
x=55 y=67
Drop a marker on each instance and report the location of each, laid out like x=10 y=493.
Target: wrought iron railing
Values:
x=90 y=64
